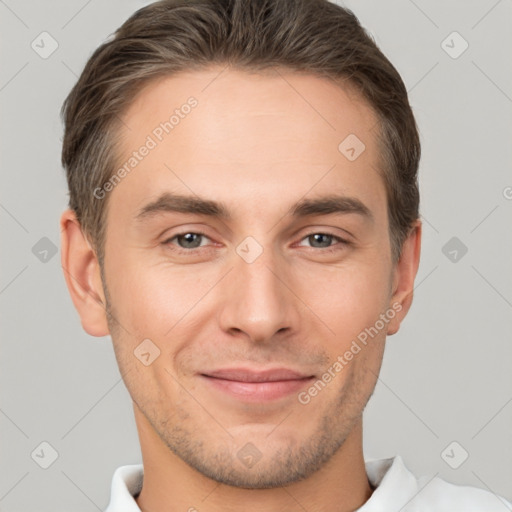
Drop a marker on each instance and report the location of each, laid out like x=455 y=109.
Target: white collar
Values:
x=397 y=489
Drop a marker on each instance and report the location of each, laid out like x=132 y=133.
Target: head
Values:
x=297 y=245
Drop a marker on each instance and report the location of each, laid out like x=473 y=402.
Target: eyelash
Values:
x=327 y=250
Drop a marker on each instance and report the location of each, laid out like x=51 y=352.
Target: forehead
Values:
x=239 y=135
x=277 y=97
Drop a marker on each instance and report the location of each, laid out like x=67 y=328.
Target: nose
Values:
x=259 y=301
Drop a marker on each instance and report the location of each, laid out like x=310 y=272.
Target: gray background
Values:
x=446 y=375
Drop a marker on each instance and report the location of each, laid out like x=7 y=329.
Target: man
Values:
x=244 y=223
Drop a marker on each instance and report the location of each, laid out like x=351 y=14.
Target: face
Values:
x=279 y=260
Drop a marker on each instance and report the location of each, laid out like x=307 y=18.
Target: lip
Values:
x=257 y=386
x=249 y=375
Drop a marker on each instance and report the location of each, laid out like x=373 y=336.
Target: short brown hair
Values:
x=163 y=38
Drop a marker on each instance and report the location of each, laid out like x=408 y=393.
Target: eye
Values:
x=188 y=240
x=324 y=240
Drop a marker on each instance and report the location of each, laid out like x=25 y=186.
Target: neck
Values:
x=171 y=485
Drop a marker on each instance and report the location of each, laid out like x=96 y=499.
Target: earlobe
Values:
x=404 y=276
x=82 y=273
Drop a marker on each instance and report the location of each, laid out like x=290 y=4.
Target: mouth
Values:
x=257 y=386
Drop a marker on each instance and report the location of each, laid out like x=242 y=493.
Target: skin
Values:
x=258 y=145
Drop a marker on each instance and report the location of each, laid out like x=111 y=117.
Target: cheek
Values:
x=151 y=299
x=347 y=299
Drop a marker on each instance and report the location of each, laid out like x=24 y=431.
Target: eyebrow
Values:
x=326 y=205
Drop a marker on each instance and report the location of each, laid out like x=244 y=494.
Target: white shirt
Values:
x=397 y=490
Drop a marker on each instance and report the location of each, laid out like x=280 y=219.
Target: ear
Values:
x=82 y=274
x=404 y=275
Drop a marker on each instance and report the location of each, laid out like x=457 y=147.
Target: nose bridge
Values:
x=259 y=303
x=259 y=279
